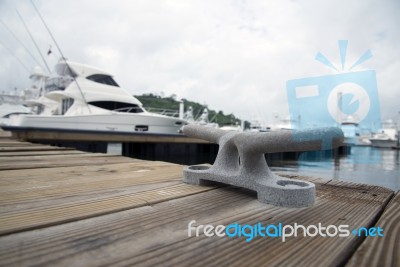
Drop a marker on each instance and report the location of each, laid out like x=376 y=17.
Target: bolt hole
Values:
x=291 y=183
x=374 y=195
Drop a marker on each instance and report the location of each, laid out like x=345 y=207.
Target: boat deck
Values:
x=63 y=207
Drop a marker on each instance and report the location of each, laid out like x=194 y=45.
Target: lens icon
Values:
x=338 y=109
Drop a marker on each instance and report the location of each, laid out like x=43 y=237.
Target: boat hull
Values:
x=117 y=122
x=357 y=141
x=383 y=143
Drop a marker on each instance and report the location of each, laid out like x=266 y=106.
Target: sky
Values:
x=233 y=55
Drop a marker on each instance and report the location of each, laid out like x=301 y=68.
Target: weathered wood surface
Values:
x=39 y=153
x=33 y=147
x=126 y=212
x=5 y=134
x=385 y=251
x=52 y=161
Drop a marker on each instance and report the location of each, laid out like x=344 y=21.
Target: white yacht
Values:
x=387 y=136
x=352 y=133
x=84 y=98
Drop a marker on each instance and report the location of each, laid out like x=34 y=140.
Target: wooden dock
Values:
x=62 y=207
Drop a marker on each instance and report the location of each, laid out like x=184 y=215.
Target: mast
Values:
x=34 y=42
x=17 y=58
x=19 y=41
x=62 y=55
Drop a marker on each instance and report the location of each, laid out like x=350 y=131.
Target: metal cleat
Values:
x=241 y=162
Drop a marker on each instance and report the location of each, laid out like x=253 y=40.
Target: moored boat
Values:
x=84 y=98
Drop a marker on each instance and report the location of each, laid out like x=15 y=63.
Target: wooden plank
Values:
x=5 y=134
x=12 y=142
x=39 y=197
x=32 y=148
x=156 y=235
x=39 y=153
x=44 y=216
x=52 y=161
x=382 y=251
x=26 y=189
x=44 y=158
x=66 y=173
x=65 y=183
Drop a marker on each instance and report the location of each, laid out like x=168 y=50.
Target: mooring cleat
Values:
x=240 y=161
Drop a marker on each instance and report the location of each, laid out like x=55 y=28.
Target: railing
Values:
x=166 y=112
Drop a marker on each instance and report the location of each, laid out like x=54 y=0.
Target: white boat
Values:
x=386 y=137
x=258 y=126
x=201 y=120
x=352 y=133
x=11 y=105
x=236 y=128
x=287 y=124
x=84 y=98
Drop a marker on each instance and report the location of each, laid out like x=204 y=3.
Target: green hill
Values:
x=170 y=103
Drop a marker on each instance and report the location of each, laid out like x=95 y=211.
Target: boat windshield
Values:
x=57 y=83
x=117 y=106
x=104 y=79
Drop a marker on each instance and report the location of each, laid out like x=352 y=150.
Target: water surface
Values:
x=367 y=165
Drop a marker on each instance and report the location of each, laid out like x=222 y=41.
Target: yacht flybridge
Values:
x=84 y=98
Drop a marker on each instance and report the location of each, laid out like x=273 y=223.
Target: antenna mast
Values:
x=34 y=42
x=62 y=55
x=19 y=41
x=17 y=58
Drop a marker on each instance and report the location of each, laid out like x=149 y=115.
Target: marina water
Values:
x=364 y=164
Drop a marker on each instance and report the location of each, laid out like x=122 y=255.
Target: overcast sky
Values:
x=234 y=56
